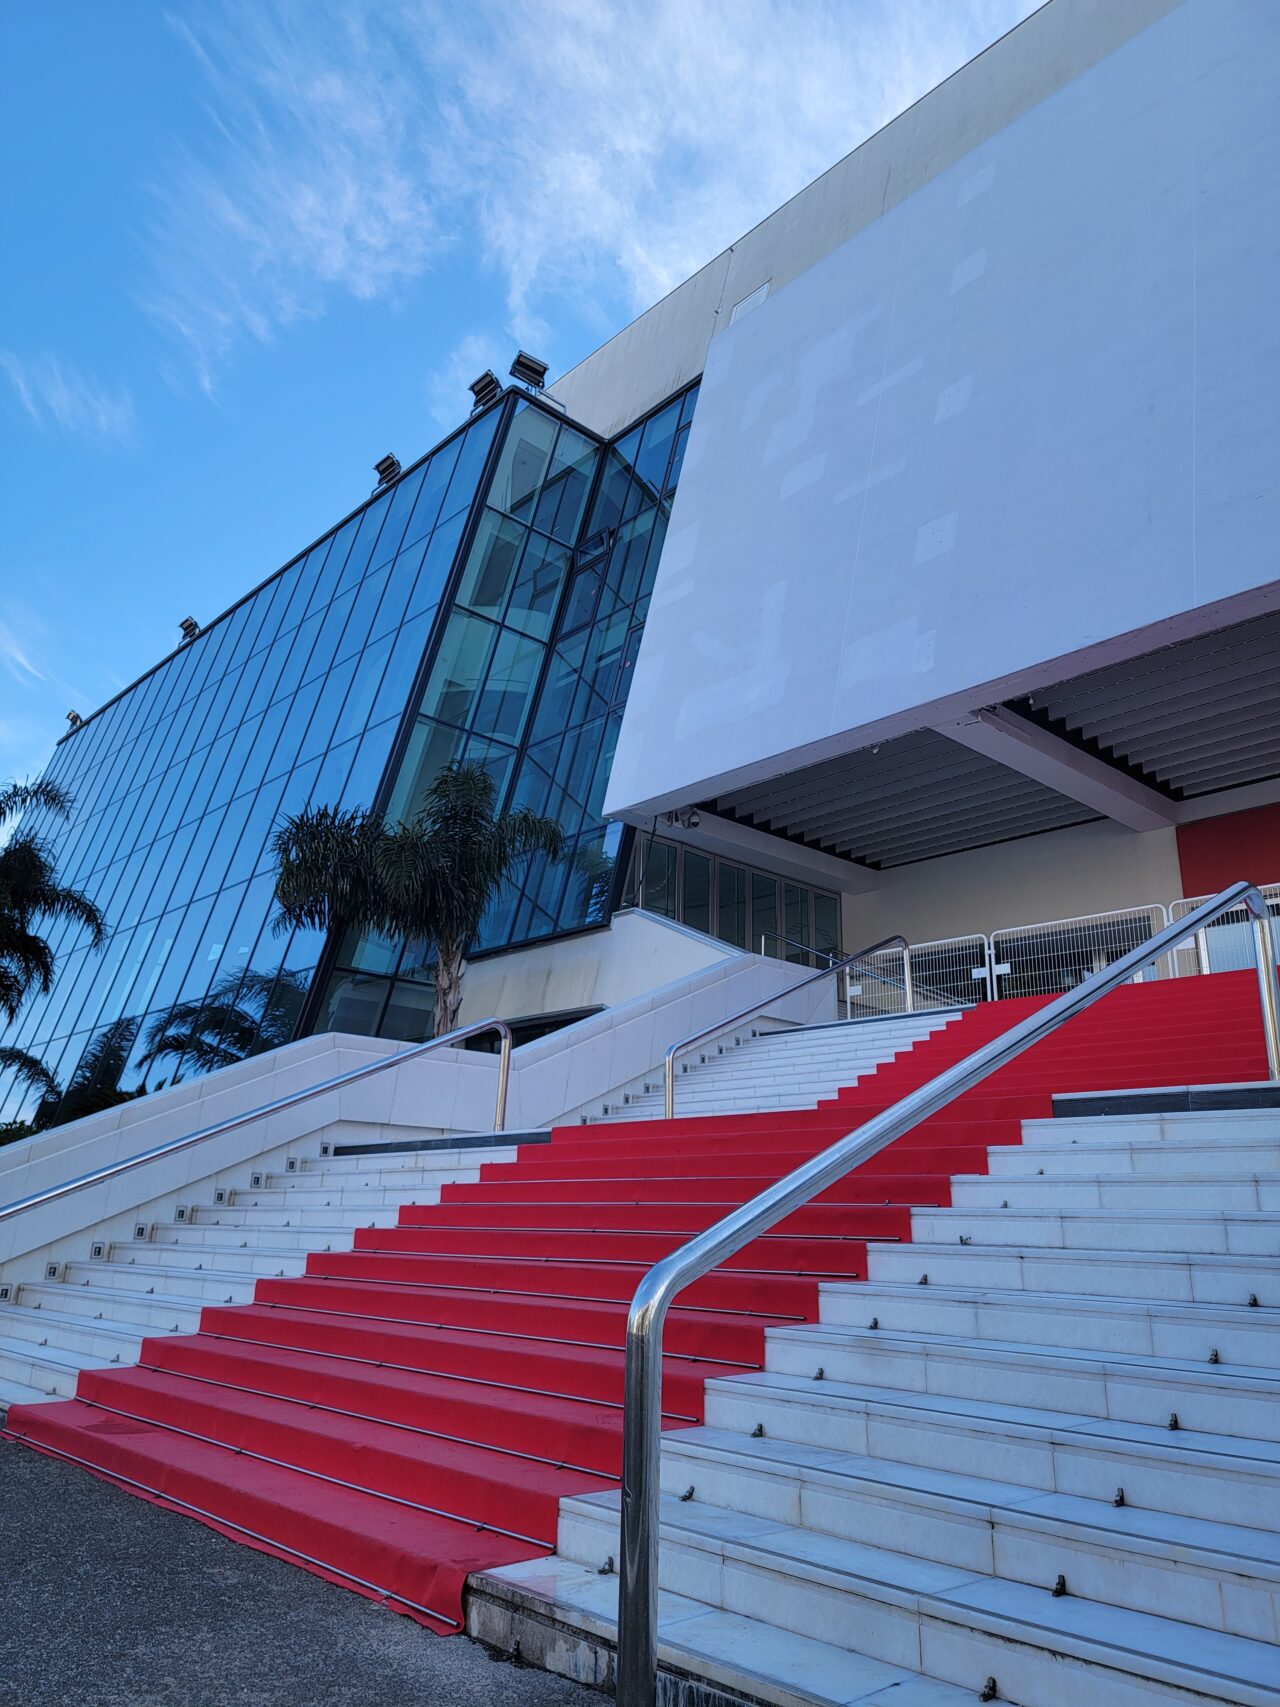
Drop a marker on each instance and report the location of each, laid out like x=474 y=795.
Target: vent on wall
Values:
x=749 y=302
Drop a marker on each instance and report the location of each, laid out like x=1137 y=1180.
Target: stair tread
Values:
x=728 y=1648
x=1128 y=1364
x=887 y=1477
x=1232 y=1315
x=1153 y=1646
x=1075 y=1428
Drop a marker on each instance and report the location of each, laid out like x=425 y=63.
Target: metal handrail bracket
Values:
x=293 y=1100
x=642 y=1426
x=678 y=1048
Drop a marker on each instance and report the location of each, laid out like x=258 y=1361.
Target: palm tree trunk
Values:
x=450 y=967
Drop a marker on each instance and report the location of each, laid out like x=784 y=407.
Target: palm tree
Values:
x=30 y=896
x=240 y=1016
x=94 y=1084
x=430 y=880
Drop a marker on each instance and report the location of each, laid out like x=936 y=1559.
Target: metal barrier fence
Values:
x=1227 y=944
x=1047 y=959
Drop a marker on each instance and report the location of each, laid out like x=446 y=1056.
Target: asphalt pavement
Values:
x=109 y=1601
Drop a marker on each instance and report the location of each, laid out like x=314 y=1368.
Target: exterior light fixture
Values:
x=74 y=719
x=190 y=627
x=386 y=468
x=485 y=389
x=529 y=370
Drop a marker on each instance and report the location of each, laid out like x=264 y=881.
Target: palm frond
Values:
x=16 y=797
x=28 y=1071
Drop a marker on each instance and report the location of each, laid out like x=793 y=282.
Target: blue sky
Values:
x=252 y=245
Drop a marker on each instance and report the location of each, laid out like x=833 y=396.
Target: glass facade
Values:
x=295 y=695
x=487 y=606
x=530 y=677
x=751 y=909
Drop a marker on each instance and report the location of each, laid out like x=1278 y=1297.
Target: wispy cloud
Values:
x=56 y=396
x=15 y=656
x=595 y=151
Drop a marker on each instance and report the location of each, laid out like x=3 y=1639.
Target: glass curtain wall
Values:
x=530 y=677
x=294 y=696
x=751 y=909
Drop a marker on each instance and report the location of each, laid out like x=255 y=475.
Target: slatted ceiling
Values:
x=914 y=798
x=1192 y=718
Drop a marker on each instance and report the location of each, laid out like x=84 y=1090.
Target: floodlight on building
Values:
x=386 y=468
x=74 y=719
x=529 y=370
x=486 y=389
x=190 y=627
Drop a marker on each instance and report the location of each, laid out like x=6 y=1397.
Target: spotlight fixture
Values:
x=485 y=389
x=529 y=370
x=74 y=719
x=190 y=627
x=386 y=468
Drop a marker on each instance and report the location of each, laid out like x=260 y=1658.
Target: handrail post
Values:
x=637 y=1667
x=906 y=976
x=1265 y=958
x=504 y=1075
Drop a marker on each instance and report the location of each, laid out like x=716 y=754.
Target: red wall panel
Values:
x=1217 y=851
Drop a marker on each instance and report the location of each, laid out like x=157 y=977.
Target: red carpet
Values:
x=414 y=1409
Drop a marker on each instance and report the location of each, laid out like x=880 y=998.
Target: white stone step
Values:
x=152 y=1313
x=1191 y=1332
x=1217 y=1575
x=1221 y=1478
x=329 y=1215
x=394 y=1162
x=107 y=1341
x=51 y=1370
x=206 y=1285
x=1164 y=1192
x=335 y=1233
x=1205 y=1126
x=222 y=1256
x=1236 y=1233
x=954 y=1624
x=743 y=1657
x=1150 y=1157
x=281 y=1201
x=1214 y=1399
x=1205 y=1279
x=13 y=1392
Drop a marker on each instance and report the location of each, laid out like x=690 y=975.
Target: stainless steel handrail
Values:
x=790 y=942
x=354 y=1074
x=696 y=1037
x=642 y=1425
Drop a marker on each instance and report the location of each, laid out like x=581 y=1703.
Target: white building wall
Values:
x=1024 y=424
x=1091 y=868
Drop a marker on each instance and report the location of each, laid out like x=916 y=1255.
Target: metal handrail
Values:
x=790 y=942
x=642 y=1424
x=111 y=1169
x=696 y=1037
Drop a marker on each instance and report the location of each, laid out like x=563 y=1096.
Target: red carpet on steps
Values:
x=413 y=1409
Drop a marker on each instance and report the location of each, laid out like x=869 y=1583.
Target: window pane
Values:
x=523 y=462
x=459 y=669
x=660 y=880
x=731 y=905
x=697 y=891
x=764 y=915
x=826 y=923
x=795 y=903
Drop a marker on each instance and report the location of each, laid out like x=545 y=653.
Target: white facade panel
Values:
x=1032 y=408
